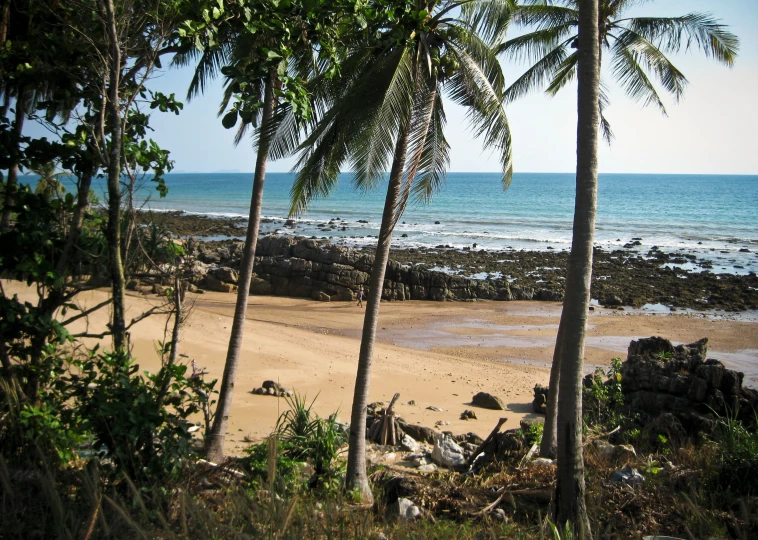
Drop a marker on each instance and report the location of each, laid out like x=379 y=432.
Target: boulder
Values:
x=408 y=443
x=541 y=394
x=260 y=286
x=447 y=453
x=404 y=509
x=468 y=415
x=488 y=401
x=419 y=433
x=226 y=274
x=430 y=467
x=210 y=283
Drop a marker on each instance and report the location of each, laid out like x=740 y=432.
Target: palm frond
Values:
x=373 y=149
x=538 y=74
x=421 y=121
x=350 y=130
x=470 y=87
x=435 y=157
x=533 y=46
x=482 y=54
x=489 y=19
x=544 y=15
x=632 y=78
x=694 y=29
x=565 y=74
x=604 y=103
x=652 y=59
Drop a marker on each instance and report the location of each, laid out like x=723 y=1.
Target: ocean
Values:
x=713 y=217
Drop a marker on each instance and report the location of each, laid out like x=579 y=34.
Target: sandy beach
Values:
x=432 y=353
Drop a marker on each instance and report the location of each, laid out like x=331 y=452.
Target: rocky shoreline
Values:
x=300 y=267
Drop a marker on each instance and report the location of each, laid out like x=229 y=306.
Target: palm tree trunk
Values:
x=214 y=447
x=570 y=504
x=549 y=444
x=115 y=263
x=12 y=183
x=357 y=480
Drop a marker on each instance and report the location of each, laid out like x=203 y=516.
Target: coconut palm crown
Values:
x=385 y=112
x=397 y=84
x=637 y=47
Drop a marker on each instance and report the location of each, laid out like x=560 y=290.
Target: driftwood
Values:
x=384 y=430
x=488 y=441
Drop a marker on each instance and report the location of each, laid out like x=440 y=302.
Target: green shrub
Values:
x=602 y=400
x=302 y=437
x=145 y=432
x=737 y=467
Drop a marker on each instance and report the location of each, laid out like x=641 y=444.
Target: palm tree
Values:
x=48 y=183
x=233 y=56
x=386 y=112
x=570 y=505
x=233 y=50
x=637 y=47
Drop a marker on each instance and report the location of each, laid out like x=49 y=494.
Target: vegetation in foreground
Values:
x=95 y=472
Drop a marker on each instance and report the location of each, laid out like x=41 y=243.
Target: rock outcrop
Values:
x=677 y=390
x=301 y=267
x=658 y=377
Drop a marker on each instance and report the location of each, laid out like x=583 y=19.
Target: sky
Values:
x=712 y=130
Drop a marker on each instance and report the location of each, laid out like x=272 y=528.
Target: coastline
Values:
x=657 y=280
x=434 y=353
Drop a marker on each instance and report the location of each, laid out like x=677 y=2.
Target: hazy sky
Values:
x=711 y=131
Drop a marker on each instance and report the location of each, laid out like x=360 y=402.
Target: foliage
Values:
x=603 y=398
x=636 y=46
x=397 y=86
x=33 y=434
x=302 y=437
x=145 y=432
x=737 y=465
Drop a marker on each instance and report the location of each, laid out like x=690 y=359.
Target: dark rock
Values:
x=272 y=384
x=541 y=394
x=468 y=415
x=612 y=301
x=488 y=401
x=210 y=283
x=420 y=433
x=226 y=274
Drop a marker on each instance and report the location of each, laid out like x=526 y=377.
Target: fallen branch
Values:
x=487 y=441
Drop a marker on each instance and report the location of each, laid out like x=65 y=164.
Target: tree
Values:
x=570 y=505
x=637 y=49
x=266 y=50
x=385 y=111
x=48 y=183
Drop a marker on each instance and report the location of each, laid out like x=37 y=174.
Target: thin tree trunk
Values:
x=12 y=183
x=55 y=298
x=115 y=263
x=82 y=201
x=214 y=447
x=175 y=338
x=549 y=444
x=570 y=503
x=357 y=480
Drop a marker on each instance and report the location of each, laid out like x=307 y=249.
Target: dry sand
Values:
x=430 y=352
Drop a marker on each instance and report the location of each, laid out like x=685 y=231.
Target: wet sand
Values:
x=433 y=353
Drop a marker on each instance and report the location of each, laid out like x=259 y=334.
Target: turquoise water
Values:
x=711 y=216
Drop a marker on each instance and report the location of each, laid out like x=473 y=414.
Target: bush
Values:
x=301 y=437
x=603 y=399
x=144 y=431
x=737 y=467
